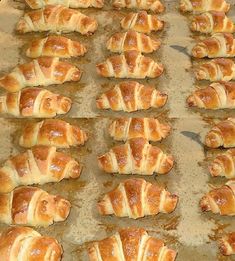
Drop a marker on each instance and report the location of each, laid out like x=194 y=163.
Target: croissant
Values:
x=56 y=18
x=142 y=22
x=130 y=244
x=153 y=5
x=131 y=96
x=222 y=134
x=204 y=5
x=41 y=71
x=34 y=102
x=219 y=45
x=36 y=4
x=212 y=22
x=224 y=165
x=131 y=64
x=136 y=156
x=148 y=128
x=25 y=244
x=218 y=95
x=37 y=166
x=220 y=200
x=32 y=206
x=52 y=132
x=55 y=46
x=227 y=244
x=137 y=198
x=219 y=69
x=132 y=41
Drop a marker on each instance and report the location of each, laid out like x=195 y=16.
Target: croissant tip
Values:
x=204 y=204
x=191 y=101
x=211 y=141
x=215 y=169
x=222 y=247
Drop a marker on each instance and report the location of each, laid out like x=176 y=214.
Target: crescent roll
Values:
x=142 y=22
x=136 y=198
x=218 y=95
x=132 y=41
x=136 y=156
x=128 y=128
x=218 y=45
x=55 y=46
x=52 y=132
x=204 y=5
x=42 y=71
x=130 y=244
x=131 y=64
x=56 y=18
x=222 y=135
x=220 y=69
x=227 y=244
x=131 y=96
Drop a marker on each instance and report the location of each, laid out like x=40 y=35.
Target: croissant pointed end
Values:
x=64 y=105
x=204 y=204
x=100 y=103
x=21 y=27
x=171 y=202
x=10 y=84
x=156 y=44
x=7 y=185
x=215 y=169
x=76 y=171
x=161 y=24
x=102 y=207
x=105 y=163
x=165 y=129
x=167 y=164
x=193 y=26
x=212 y=140
x=200 y=74
x=102 y=70
x=76 y=75
x=62 y=209
x=191 y=101
x=161 y=99
x=223 y=247
x=198 y=52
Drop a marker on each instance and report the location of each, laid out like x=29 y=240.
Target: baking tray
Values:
x=187 y=230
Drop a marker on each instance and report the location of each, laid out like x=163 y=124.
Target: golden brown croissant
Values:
x=153 y=5
x=220 y=200
x=37 y=166
x=34 y=102
x=135 y=198
x=25 y=244
x=149 y=128
x=224 y=165
x=36 y=4
x=218 y=45
x=142 y=22
x=212 y=22
x=136 y=156
x=204 y=5
x=218 y=95
x=227 y=244
x=52 y=132
x=222 y=134
x=56 y=18
x=131 y=96
x=132 y=41
x=130 y=244
x=131 y=64
x=33 y=207
x=219 y=69
x=55 y=46
x=42 y=71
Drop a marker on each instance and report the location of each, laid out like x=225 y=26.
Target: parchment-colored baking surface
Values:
x=187 y=230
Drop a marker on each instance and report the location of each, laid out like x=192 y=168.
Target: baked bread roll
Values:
x=136 y=198
x=204 y=5
x=222 y=135
x=142 y=22
x=56 y=18
x=130 y=244
x=227 y=244
x=33 y=207
x=55 y=46
x=149 y=128
x=25 y=244
x=218 y=95
x=36 y=4
x=132 y=41
x=218 y=45
x=131 y=96
x=220 y=200
x=52 y=132
x=224 y=165
x=42 y=71
x=39 y=165
x=152 y=5
x=136 y=156
x=131 y=64
x=34 y=102
x=219 y=69
x=212 y=22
